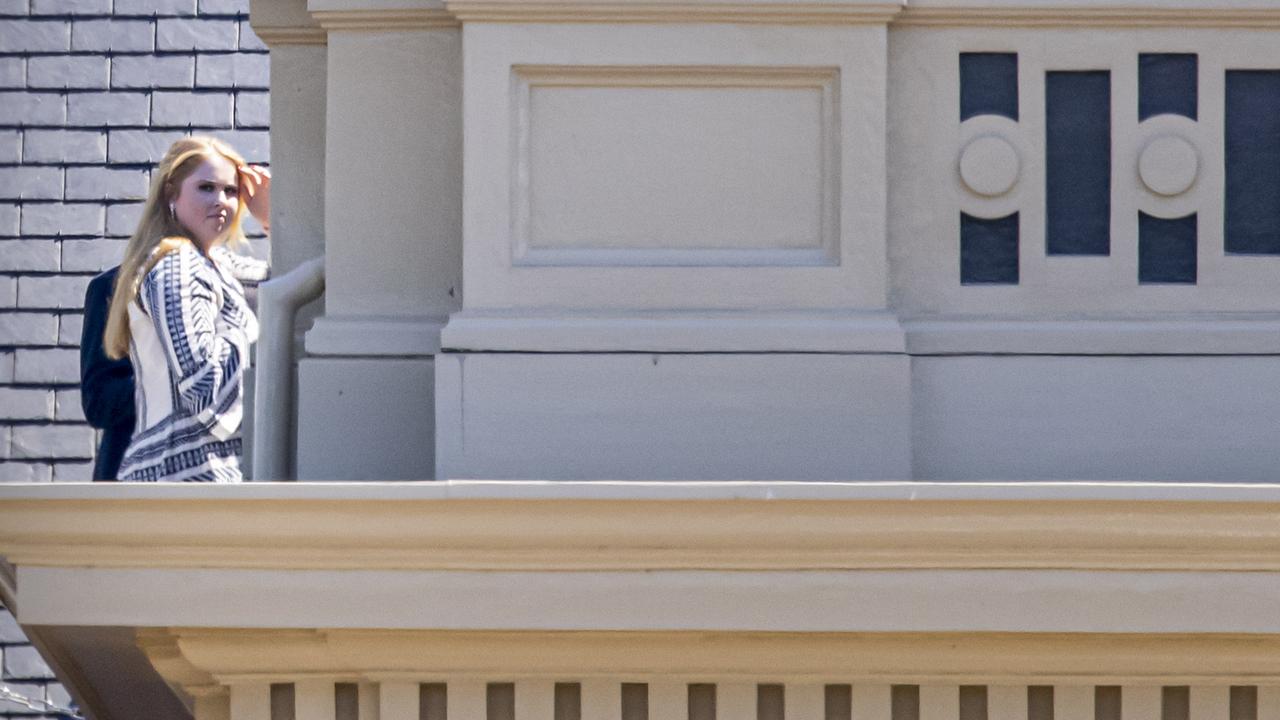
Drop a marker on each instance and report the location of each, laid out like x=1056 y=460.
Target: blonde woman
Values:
x=179 y=313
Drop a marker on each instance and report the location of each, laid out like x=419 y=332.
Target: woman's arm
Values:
x=205 y=353
x=106 y=385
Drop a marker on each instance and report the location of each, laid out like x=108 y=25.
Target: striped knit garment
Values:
x=191 y=330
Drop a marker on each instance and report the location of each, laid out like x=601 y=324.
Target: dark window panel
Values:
x=1168 y=84
x=1166 y=249
x=988 y=85
x=1078 y=163
x=1252 y=147
x=989 y=250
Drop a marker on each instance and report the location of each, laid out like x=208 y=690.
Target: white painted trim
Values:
x=374 y=336
x=1257 y=334
x=729 y=331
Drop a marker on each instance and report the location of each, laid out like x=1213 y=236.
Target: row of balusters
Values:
x=613 y=700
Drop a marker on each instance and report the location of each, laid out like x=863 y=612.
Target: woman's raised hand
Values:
x=255 y=192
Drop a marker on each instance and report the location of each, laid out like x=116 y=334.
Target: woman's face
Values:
x=207 y=200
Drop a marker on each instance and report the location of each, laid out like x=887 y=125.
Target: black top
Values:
x=106 y=385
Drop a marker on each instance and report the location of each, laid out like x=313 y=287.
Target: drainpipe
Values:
x=278 y=303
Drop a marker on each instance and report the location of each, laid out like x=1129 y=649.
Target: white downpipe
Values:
x=278 y=303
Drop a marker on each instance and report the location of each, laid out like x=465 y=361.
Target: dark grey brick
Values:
x=25 y=472
x=155 y=7
x=195 y=34
x=13 y=72
x=10 y=146
x=122 y=219
x=50 y=441
x=94 y=255
x=54 y=292
x=30 y=183
x=32 y=692
x=106 y=183
x=14 y=7
x=28 y=328
x=9 y=630
x=30 y=108
x=113 y=35
x=253 y=145
x=9 y=214
x=59 y=72
x=243 y=71
x=70 y=7
x=183 y=109
x=62 y=219
x=253 y=109
x=249 y=40
x=140 y=146
x=35 y=35
x=70 y=328
x=22 y=663
x=224 y=7
x=29 y=255
x=58 y=365
x=64 y=146
x=108 y=109
x=72 y=472
x=152 y=71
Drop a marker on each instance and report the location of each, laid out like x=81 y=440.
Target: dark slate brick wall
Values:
x=91 y=94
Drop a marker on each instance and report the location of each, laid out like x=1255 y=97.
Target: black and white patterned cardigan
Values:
x=191 y=330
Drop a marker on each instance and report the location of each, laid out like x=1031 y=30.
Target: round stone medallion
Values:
x=1168 y=165
x=989 y=165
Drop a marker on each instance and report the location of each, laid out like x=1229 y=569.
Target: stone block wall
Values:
x=91 y=94
x=28 y=689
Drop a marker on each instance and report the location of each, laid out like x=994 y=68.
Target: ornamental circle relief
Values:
x=1168 y=165
x=989 y=165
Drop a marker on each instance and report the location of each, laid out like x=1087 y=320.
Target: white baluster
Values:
x=1006 y=702
x=214 y=706
x=601 y=700
x=668 y=701
x=872 y=702
x=939 y=702
x=369 y=697
x=535 y=700
x=1073 y=702
x=805 y=702
x=1140 y=702
x=466 y=700
x=736 y=701
x=250 y=701
x=1211 y=702
x=313 y=700
x=397 y=701
x=1268 y=702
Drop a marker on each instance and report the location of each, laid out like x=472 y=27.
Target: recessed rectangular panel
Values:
x=1166 y=249
x=1078 y=163
x=988 y=85
x=989 y=250
x=1167 y=84
x=1252 y=148
x=676 y=166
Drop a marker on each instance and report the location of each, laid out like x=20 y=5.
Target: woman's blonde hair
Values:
x=160 y=233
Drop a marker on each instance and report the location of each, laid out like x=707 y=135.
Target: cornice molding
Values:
x=276 y=37
x=386 y=20
x=573 y=526
x=980 y=15
x=774 y=13
x=234 y=656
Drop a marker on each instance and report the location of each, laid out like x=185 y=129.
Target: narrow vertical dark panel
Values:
x=973 y=702
x=1078 y=163
x=568 y=701
x=702 y=701
x=346 y=701
x=989 y=250
x=1168 y=84
x=904 y=702
x=1106 y=702
x=1166 y=249
x=1244 y=702
x=838 y=702
x=283 y=701
x=988 y=85
x=635 y=701
x=500 y=701
x=1253 y=162
x=1175 y=702
x=1040 y=702
x=771 y=701
x=433 y=701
